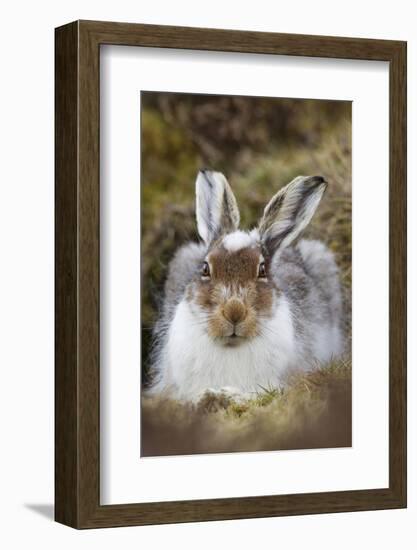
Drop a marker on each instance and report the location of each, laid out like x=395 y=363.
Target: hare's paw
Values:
x=213 y=400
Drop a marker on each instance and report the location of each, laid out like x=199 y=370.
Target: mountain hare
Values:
x=242 y=310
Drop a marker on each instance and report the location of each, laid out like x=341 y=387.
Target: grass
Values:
x=313 y=411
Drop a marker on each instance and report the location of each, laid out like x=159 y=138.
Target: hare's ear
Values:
x=216 y=206
x=290 y=211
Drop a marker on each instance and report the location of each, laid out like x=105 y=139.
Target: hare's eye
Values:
x=205 y=272
x=262 y=271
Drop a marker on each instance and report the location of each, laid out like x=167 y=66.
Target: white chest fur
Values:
x=192 y=362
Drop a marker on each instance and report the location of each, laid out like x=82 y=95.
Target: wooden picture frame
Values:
x=77 y=375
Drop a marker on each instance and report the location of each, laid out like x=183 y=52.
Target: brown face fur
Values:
x=234 y=297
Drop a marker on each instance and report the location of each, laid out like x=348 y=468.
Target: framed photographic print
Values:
x=230 y=274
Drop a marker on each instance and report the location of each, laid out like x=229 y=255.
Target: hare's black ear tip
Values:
x=317 y=180
x=206 y=177
x=311 y=182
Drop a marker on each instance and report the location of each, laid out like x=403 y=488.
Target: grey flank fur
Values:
x=182 y=268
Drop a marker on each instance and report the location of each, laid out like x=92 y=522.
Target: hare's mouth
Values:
x=230 y=334
x=234 y=340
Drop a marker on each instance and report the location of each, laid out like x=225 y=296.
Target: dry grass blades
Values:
x=313 y=411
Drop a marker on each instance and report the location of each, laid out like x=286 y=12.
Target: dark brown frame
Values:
x=77 y=274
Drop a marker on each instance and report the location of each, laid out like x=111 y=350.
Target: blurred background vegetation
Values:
x=260 y=144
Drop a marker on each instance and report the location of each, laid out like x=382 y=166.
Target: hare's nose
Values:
x=235 y=311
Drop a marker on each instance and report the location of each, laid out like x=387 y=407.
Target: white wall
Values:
x=26 y=273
